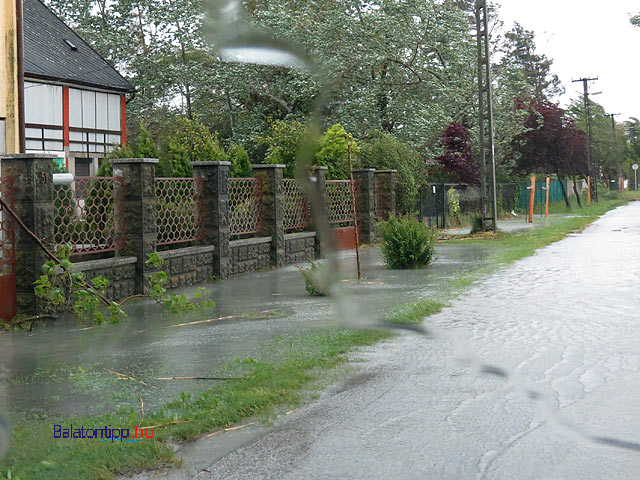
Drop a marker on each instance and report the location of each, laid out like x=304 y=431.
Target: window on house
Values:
x=83 y=167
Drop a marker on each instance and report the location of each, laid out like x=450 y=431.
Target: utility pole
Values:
x=592 y=164
x=615 y=150
x=485 y=121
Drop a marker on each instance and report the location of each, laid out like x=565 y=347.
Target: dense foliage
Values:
x=552 y=143
x=405 y=70
x=407 y=243
x=383 y=152
x=457 y=160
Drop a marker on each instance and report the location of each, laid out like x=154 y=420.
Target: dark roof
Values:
x=49 y=52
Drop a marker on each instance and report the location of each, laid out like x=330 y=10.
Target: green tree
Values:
x=383 y=152
x=191 y=141
x=283 y=142
x=606 y=151
x=334 y=152
x=525 y=68
x=144 y=146
x=241 y=166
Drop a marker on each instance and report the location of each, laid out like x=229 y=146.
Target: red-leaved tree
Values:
x=551 y=144
x=457 y=161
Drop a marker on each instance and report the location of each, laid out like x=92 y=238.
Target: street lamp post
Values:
x=635 y=173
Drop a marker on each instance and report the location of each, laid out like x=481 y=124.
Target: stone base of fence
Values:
x=250 y=255
x=121 y=273
x=299 y=247
x=188 y=266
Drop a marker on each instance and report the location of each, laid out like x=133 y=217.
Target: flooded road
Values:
x=563 y=323
x=64 y=368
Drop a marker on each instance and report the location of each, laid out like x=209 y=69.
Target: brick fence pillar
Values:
x=34 y=204
x=386 y=182
x=272 y=176
x=216 y=212
x=367 y=207
x=319 y=179
x=138 y=180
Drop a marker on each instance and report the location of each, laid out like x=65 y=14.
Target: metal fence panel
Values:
x=179 y=209
x=340 y=201
x=296 y=208
x=246 y=214
x=85 y=214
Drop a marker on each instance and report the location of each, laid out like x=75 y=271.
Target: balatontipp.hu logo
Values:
x=105 y=434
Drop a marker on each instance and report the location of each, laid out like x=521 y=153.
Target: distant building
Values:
x=74 y=100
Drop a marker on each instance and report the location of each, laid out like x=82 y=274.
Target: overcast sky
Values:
x=587 y=38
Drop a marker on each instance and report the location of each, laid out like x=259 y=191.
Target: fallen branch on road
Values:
x=196 y=378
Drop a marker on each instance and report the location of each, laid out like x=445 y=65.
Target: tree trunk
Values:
x=564 y=190
x=575 y=190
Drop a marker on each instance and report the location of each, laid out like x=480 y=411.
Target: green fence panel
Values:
x=555 y=193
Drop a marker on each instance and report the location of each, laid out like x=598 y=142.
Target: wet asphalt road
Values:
x=564 y=323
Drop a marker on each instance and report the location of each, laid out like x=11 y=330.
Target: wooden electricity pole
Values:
x=591 y=161
x=488 y=193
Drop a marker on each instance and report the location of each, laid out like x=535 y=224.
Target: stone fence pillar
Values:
x=367 y=207
x=216 y=212
x=34 y=204
x=319 y=179
x=272 y=176
x=138 y=180
x=385 y=185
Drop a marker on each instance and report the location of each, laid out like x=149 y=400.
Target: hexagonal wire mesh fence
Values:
x=246 y=213
x=296 y=208
x=340 y=202
x=7 y=229
x=86 y=215
x=179 y=208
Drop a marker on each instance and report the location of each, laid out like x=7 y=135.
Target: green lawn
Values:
x=266 y=384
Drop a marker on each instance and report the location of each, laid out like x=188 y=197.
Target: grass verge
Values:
x=265 y=385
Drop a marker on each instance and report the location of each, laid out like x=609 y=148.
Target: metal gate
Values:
x=341 y=211
x=8 y=300
x=433 y=205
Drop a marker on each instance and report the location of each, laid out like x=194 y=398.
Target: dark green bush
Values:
x=476 y=225
x=407 y=243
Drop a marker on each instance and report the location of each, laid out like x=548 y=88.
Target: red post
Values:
x=532 y=198
x=123 y=120
x=588 y=191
